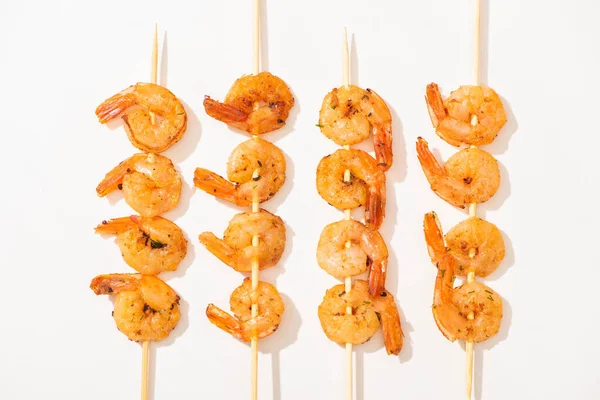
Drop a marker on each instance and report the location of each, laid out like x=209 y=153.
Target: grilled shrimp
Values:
x=347 y=248
x=469 y=176
x=146 y=308
x=256 y=167
x=452 y=306
x=241 y=325
x=453 y=117
x=150 y=183
x=355 y=328
x=148 y=245
x=366 y=186
x=236 y=250
x=170 y=122
x=475 y=244
x=256 y=104
x=349 y=115
x=368 y=314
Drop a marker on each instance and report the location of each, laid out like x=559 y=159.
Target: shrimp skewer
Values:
x=257 y=104
x=148 y=245
x=256 y=168
x=469 y=176
x=146 y=308
x=243 y=325
x=143 y=129
x=237 y=250
x=349 y=115
x=150 y=183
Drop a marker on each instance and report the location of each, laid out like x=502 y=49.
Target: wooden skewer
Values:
x=146 y=344
x=469 y=347
x=255 y=209
x=154 y=73
x=347 y=216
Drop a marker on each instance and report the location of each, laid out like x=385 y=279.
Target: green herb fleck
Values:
x=490 y=297
x=333 y=107
x=489 y=291
x=472 y=291
x=442 y=272
x=461 y=267
x=319 y=125
x=155 y=244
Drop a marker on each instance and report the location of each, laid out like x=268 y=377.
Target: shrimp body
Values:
x=349 y=115
x=170 y=122
x=367 y=249
x=369 y=313
x=480 y=238
x=469 y=176
x=452 y=117
x=243 y=184
x=241 y=325
x=236 y=250
x=150 y=183
x=366 y=185
x=452 y=306
x=146 y=308
x=474 y=244
x=355 y=328
x=256 y=104
x=148 y=245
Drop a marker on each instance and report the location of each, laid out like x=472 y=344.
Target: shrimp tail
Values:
x=431 y=167
x=112 y=107
x=393 y=337
x=434 y=237
x=114 y=283
x=113 y=179
x=446 y=315
x=218 y=248
x=382 y=141
x=377 y=274
x=375 y=207
x=216 y=185
x=435 y=104
x=224 y=321
x=226 y=113
x=116 y=225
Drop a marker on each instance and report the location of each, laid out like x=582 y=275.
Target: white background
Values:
x=60 y=59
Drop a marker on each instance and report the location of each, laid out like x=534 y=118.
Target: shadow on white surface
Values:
x=181 y=150
x=164 y=63
x=285 y=336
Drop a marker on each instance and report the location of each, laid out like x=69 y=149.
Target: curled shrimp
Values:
x=364 y=321
x=366 y=185
x=475 y=244
x=236 y=250
x=150 y=183
x=349 y=115
x=469 y=176
x=452 y=118
x=241 y=325
x=452 y=306
x=347 y=248
x=146 y=308
x=256 y=104
x=170 y=122
x=148 y=245
x=256 y=167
